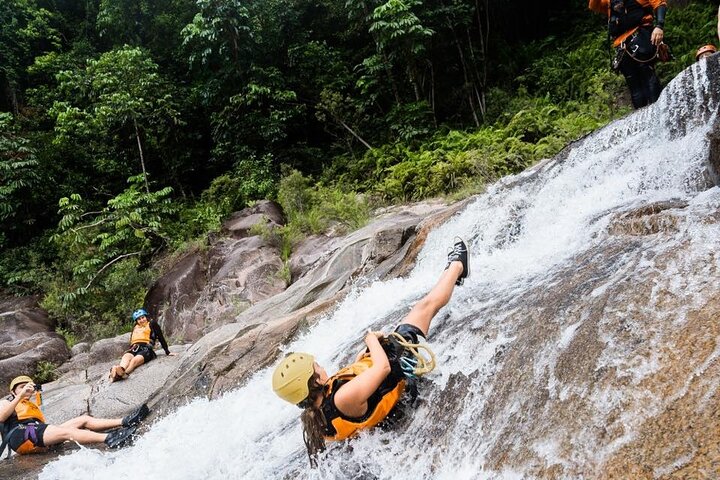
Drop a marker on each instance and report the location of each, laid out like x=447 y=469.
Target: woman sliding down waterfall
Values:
x=363 y=394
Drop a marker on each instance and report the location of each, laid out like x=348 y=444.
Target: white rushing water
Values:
x=521 y=229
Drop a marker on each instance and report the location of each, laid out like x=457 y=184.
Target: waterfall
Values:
x=510 y=398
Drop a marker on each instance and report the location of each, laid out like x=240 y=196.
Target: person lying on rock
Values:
x=145 y=335
x=24 y=428
x=365 y=393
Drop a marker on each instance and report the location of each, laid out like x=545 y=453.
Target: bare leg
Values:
x=125 y=360
x=92 y=423
x=423 y=312
x=59 y=434
x=136 y=361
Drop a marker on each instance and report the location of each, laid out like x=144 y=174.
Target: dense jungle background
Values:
x=130 y=128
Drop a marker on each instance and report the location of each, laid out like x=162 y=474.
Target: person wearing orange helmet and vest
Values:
x=705 y=51
x=25 y=430
x=143 y=338
x=636 y=28
x=366 y=393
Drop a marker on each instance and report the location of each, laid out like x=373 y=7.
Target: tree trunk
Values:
x=412 y=74
x=352 y=132
x=11 y=93
x=468 y=86
x=484 y=35
x=391 y=78
x=142 y=157
x=432 y=92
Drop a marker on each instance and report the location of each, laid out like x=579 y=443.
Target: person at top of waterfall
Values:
x=705 y=51
x=637 y=30
x=145 y=335
x=363 y=394
x=24 y=428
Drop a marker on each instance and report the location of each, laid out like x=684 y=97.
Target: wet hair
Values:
x=313 y=420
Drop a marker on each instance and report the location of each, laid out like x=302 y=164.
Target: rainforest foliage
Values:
x=129 y=129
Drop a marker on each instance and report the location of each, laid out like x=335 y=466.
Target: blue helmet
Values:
x=140 y=312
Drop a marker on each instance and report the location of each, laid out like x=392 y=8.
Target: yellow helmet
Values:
x=18 y=380
x=290 y=379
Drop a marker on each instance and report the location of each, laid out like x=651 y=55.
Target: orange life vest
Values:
x=29 y=410
x=603 y=6
x=141 y=334
x=347 y=427
x=26 y=414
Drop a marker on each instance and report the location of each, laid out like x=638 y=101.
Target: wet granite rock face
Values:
x=27 y=337
x=364 y=253
x=22 y=317
x=649 y=219
x=610 y=367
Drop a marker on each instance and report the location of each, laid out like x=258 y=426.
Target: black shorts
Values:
x=29 y=432
x=410 y=332
x=143 y=349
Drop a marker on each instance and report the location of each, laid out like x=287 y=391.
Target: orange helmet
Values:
x=705 y=49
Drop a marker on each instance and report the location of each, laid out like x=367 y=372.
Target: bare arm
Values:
x=351 y=399
x=7 y=407
x=658 y=32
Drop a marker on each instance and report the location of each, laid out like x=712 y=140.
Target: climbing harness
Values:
x=662 y=53
x=418 y=364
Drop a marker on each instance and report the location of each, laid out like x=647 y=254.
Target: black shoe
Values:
x=120 y=437
x=136 y=416
x=459 y=253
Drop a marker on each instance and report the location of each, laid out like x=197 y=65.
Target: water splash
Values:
x=525 y=234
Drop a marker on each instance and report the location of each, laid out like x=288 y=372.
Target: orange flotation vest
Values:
x=141 y=334
x=380 y=404
x=28 y=411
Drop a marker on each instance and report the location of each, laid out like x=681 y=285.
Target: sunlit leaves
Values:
x=397 y=28
x=116 y=105
x=218 y=29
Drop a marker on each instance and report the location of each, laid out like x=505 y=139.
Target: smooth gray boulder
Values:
x=78 y=348
x=104 y=350
x=263 y=212
x=22 y=317
x=27 y=337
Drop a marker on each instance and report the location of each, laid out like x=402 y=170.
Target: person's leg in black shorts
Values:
x=424 y=311
x=136 y=356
